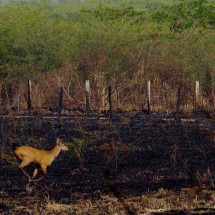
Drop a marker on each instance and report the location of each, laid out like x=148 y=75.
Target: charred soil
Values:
x=135 y=164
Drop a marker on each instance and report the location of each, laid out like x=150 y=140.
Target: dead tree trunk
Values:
x=87 y=87
x=29 y=97
x=60 y=101
x=149 y=97
x=178 y=101
x=110 y=103
x=196 y=97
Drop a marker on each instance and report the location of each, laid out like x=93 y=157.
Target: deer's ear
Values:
x=58 y=141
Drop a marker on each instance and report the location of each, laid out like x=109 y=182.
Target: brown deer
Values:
x=42 y=158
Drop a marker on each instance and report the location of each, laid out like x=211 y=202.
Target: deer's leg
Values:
x=22 y=165
x=35 y=173
x=43 y=168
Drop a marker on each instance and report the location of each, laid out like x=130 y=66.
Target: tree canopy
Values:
x=115 y=37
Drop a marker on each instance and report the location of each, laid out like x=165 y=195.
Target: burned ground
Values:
x=136 y=164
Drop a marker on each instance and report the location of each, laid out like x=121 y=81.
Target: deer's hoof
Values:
x=29 y=188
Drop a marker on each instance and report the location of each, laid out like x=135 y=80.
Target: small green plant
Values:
x=77 y=146
x=6 y=205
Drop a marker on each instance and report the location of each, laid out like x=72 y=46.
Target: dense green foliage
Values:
x=166 y=39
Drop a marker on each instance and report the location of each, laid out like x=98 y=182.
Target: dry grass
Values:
x=187 y=201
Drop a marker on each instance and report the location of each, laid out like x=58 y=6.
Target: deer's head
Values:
x=60 y=143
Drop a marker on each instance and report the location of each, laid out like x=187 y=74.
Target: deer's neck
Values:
x=55 y=151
